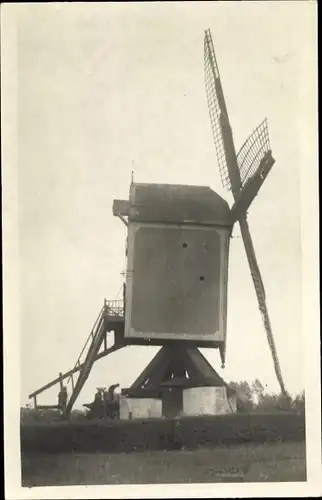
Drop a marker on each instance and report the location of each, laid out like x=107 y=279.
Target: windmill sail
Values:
x=220 y=125
x=261 y=297
x=252 y=152
x=243 y=174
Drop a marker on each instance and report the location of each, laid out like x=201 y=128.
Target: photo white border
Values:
x=12 y=328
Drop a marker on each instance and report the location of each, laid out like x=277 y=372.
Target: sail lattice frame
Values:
x=253 y=151
x=212 y=79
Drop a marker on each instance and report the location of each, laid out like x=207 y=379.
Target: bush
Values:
x=162 y=434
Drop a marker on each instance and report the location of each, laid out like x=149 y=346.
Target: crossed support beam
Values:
x=179 y=364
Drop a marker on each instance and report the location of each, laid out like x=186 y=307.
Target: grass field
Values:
x=251 y=463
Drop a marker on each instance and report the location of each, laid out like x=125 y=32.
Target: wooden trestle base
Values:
x=173 y=366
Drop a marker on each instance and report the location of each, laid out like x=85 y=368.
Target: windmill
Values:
x=243 y=174
x=175 y=292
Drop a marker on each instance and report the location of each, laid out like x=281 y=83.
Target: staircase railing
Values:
x=88 y=340
x=114 y=307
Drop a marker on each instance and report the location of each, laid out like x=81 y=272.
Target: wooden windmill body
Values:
x=176 y=286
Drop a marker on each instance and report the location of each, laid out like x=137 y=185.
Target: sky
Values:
x=104 y=89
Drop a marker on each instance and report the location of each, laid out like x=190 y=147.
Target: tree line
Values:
x=252 y=397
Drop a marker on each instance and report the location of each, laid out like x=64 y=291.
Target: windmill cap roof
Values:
x=176 y=203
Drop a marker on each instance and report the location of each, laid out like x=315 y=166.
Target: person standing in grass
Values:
x=62 y=398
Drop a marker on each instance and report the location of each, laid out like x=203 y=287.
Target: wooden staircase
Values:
x=110 y=318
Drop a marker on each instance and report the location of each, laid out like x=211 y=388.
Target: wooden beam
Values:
x=159 y=358
x=125 y=222
x=74 y=370
x=201 y=367
x=202 y=370
x=121 y=207
x=158 y=375
x=48 y=407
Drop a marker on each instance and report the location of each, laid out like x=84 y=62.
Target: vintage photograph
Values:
x=160 y=151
